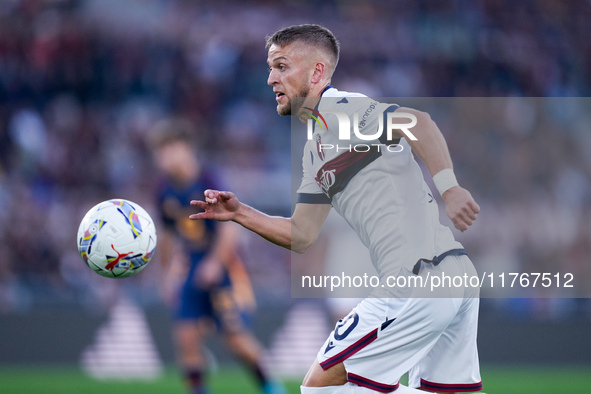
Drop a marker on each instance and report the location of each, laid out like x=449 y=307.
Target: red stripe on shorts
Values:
x=451 y=388
x=371 y=384
x=351 y=350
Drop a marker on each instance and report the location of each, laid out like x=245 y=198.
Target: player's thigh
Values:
x=189 y=334
x=227 y=313
x=193 y=303
x=318 y=377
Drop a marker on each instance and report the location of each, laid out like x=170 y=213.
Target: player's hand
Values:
x=209 y=274
x=460 y=207
x=222 y=206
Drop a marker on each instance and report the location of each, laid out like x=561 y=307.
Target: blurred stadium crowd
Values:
x=82 y=81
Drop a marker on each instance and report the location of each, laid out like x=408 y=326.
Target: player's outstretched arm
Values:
x=297 y=233
x=432 y=149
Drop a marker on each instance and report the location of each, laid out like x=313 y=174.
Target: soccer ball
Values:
x=117 y=238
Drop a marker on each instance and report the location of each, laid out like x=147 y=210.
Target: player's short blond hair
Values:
x=310 y=34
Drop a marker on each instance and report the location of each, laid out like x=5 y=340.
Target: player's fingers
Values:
x=213 y=196
x=474 y=206
x=465 y=220
x=200 y=215
x=469 y=212
x=209 y=193
x=199 y=204
x=460 y=225
x=225 y=195
x=461 y=221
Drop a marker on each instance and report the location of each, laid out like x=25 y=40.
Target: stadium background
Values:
x=81 y=82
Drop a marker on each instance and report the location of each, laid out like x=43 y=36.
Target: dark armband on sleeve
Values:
x=384 y=137
x=309 y=198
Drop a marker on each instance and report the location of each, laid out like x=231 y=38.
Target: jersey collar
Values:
x=326 y=88
x=321 y=94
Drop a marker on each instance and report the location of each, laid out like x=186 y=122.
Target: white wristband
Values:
x=445 y=180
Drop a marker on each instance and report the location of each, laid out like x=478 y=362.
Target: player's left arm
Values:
x=432 y=149
x=221 y=256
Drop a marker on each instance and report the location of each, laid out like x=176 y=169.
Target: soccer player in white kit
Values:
x=381 y=193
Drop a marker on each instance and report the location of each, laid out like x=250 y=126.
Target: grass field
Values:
x=497 y=380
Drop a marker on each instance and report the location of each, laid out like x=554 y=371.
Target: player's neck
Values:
x=319 y=88
x=189 y=175
x=311 y=101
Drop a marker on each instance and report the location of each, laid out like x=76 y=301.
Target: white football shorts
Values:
x=434 y=338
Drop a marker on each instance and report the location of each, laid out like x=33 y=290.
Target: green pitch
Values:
x=497 y=380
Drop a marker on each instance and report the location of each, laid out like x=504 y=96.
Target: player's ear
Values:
x=319 y=72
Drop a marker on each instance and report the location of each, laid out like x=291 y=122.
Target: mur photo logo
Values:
x=364 y=141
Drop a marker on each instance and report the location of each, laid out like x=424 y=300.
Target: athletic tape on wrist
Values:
x=445 y=180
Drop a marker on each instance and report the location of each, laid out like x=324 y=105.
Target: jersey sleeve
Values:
x=309 y=191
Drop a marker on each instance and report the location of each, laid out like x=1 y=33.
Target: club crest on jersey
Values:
x=321 y=154
x=326 y=180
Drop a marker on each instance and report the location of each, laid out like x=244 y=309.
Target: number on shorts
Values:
x=350 y=322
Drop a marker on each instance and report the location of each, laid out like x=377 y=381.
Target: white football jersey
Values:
x=375 y=185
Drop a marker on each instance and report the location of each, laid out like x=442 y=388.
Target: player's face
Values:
x=177 y=160
x=289 y=75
